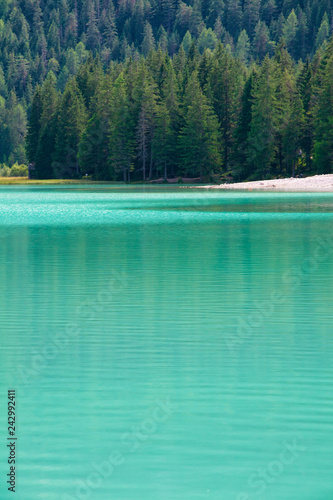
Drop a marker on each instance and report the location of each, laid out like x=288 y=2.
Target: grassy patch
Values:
x=25 y=180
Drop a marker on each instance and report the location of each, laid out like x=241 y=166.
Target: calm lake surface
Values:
x=167 y=343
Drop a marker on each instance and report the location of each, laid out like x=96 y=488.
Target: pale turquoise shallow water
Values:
x=114 y=301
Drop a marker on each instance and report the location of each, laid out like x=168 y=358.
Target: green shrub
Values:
x=19 y=170
x=4 y=171
x=15 y=171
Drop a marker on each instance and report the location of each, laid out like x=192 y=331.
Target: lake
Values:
x=167 y=343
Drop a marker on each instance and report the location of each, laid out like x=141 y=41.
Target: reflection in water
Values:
x=157 y=343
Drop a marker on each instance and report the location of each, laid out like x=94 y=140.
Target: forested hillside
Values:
x=141 y=89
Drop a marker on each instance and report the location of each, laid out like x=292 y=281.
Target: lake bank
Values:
x=316 y=183
x=24 y=180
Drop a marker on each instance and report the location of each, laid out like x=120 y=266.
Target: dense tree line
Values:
x=38 y=37
x=190 y=115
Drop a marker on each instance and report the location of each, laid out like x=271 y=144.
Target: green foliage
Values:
x=323 y=146
x=121 y=131
x=187 y=116
x=207 y=40
x=18 y=170
x=323 y=32
x=70 y=125
x=262 y=136
x=107 y=87
x=243 y=47
x=15 y=171
x=199 y=138
x=34 y=127
x=240 y=162
x=225 y=84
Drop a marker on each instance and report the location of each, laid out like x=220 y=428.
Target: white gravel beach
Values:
x=320 y=183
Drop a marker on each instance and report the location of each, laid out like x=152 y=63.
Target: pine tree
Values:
x=34 y=125
x=261 y=40
x=199 y=138
x=290 y=29
x=187 y=42
x=121 y=131
x=243 y=47
x=148 y=43
x=286 y=93
x=146 y=123
x=163 y=140
x=48 y=121
x=207 y=40
x=93 y=34
x=94 y=145
x=323 y=144
x=109 y=32
x=251 y=16
x=224 y=89
x=323 y=32
x=92 y=156
x=306 y=91
x=162 y=40
x=262 y=137
x=70 y=126
x=233 y=17
x=170 y=98
x=88 y=78
x=292 y=139
x=242 y=131
x=15 y=129
x=300 y=47
x=168 y=13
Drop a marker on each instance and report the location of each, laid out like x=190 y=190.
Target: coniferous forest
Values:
x=154 y=89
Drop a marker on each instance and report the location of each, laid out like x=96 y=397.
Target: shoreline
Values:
x=20 y=181
x=316 y=183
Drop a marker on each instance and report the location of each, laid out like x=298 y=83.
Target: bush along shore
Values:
x=15 y=170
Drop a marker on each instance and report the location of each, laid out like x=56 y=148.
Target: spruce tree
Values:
x=146 y=127
x=224 y=90
x=242 y=131
x=70 y=126
x=148 y=43
x=34 y=126
x=306 y=91
x=163 y=140
x=199 y=138
x=323 y=144
x=262 y=137
x=121 y=131
x=243 y=47
x=48 y=122
x=94 y=147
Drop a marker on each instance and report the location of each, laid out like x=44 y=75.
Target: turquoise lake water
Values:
x=167 y=343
